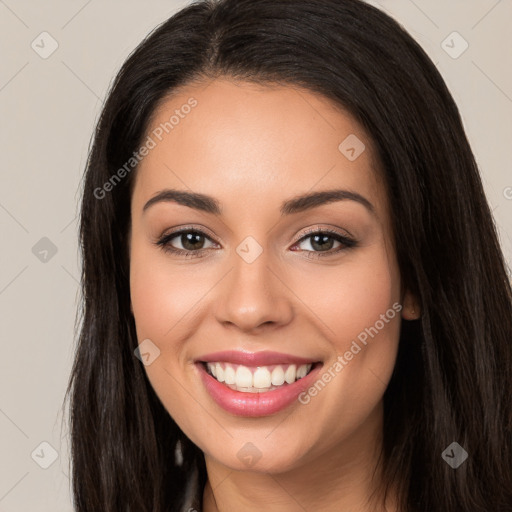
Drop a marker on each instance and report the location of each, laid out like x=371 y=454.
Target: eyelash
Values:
x=347 y=242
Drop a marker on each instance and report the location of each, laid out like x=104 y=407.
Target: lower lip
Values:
x=255 y=404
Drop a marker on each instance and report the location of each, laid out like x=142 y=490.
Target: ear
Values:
x=411 y=307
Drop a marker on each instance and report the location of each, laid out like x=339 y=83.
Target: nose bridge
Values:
x=252 y=294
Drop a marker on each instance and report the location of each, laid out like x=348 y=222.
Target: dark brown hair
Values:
x=453 y=374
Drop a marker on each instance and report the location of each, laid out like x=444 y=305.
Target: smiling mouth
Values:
x=257 y=379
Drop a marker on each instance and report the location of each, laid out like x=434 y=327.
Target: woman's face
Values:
x=258 y=281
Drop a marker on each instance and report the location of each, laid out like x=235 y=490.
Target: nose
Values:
x=254 y=296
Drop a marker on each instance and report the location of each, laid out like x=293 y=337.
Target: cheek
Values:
x=165 y=299
x=151 y=298
x=352 y=296
x=359 y=307
x=161 y=294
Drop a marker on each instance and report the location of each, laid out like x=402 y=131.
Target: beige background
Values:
x=48 y=108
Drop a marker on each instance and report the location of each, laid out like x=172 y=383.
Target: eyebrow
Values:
x=296 y=204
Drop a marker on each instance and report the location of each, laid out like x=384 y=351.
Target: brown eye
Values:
x=191 y=241
x=321 y=243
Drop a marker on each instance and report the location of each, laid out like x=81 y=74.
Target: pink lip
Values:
x=255 y=404
x=263 y=358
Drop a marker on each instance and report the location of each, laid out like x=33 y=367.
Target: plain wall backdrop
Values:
x=58 y=58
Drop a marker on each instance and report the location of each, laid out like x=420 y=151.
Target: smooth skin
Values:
x=253 y=147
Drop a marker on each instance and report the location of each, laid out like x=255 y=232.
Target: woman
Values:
x=294 y=294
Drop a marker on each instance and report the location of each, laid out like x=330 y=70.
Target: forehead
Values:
x=242 y=142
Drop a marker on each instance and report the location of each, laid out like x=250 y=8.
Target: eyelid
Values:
x=322 y=229
x=187 y=228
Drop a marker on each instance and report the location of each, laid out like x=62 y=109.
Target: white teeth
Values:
x=229 y=375
x=278 y=376
x=262 y=378
x=302 y=371
x=243 y=377
x=256 y=380
x=219 y=372
x=290 y=374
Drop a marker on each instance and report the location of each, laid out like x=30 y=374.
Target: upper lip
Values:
x=262 y=358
